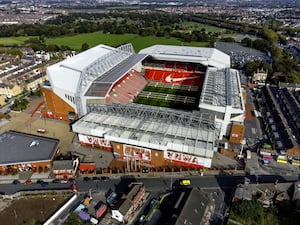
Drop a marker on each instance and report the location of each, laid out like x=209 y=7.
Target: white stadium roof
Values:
x=205 y=56
x=152 y=127
x=222 y=88
x=65 y=74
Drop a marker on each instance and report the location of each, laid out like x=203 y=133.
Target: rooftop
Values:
x=18 y=148
x=205 y=56
x=153 y=127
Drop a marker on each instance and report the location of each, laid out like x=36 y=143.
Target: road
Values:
x=156 y=184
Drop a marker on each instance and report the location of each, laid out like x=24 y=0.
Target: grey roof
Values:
x=101 y=85
x=186 y=206
x=125 y=206
x=195 y=209
x=62 y=165
x=17 y=147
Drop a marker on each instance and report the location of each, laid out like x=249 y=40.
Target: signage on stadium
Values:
x=96 y=141
x=184 y=158
x=133 y=152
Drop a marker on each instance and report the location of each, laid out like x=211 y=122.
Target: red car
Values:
x=72 y=186
x=28 y=182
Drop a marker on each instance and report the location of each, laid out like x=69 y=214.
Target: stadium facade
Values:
x=100 y=87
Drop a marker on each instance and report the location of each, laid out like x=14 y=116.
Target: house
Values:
x=64 y=169
x=126 y=207
x=260 y=77
x=10 y=90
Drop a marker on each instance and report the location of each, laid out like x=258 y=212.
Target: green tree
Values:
x=84 y=46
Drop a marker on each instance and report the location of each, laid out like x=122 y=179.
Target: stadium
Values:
x=163 y=104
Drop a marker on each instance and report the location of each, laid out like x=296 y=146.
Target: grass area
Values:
x=198 y=26
x=114 y=40
x=171 y=91
x=92 y=39
x=164 y=103
x=9 y=41
x=96 y=38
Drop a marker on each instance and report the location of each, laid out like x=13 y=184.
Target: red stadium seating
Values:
x=127 y=88
x=191 y=78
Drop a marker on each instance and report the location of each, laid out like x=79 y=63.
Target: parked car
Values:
x=86 y=178
x=104 y=178
x=96 y=178
x=28 y=182
x=16 y=182
x=56 y=181
x=43 y=183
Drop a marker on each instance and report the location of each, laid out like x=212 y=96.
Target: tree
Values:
x=84 y=46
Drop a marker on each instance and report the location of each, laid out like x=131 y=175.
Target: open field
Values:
x=92 y=39
x=185 y=26
x=9 y=41
x=138 y=42
x=114 y=40
x=34 y=208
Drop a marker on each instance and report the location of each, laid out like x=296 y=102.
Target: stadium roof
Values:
x=65 y=75
x=205 y=56
x=151 y=127
x=102 y=84
x=19 y=148
x=222 y=88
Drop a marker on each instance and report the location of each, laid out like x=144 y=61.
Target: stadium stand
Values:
x=127 y=88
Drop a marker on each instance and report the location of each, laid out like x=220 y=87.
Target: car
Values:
x=16 y=182
x=40 y=130
x=56 y=181
x=142 y=218
x=44 y=183
x=86 y=178
x=104 y=178
x=63 y=181
x=145 y=170
x=41 y=182
x=73 y=187
x=96 y=178
x=185 y=182
x=28 y=182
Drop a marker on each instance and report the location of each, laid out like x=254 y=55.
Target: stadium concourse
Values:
x=165 y=104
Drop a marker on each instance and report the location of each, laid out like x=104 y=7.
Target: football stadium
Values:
x=163 y=104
